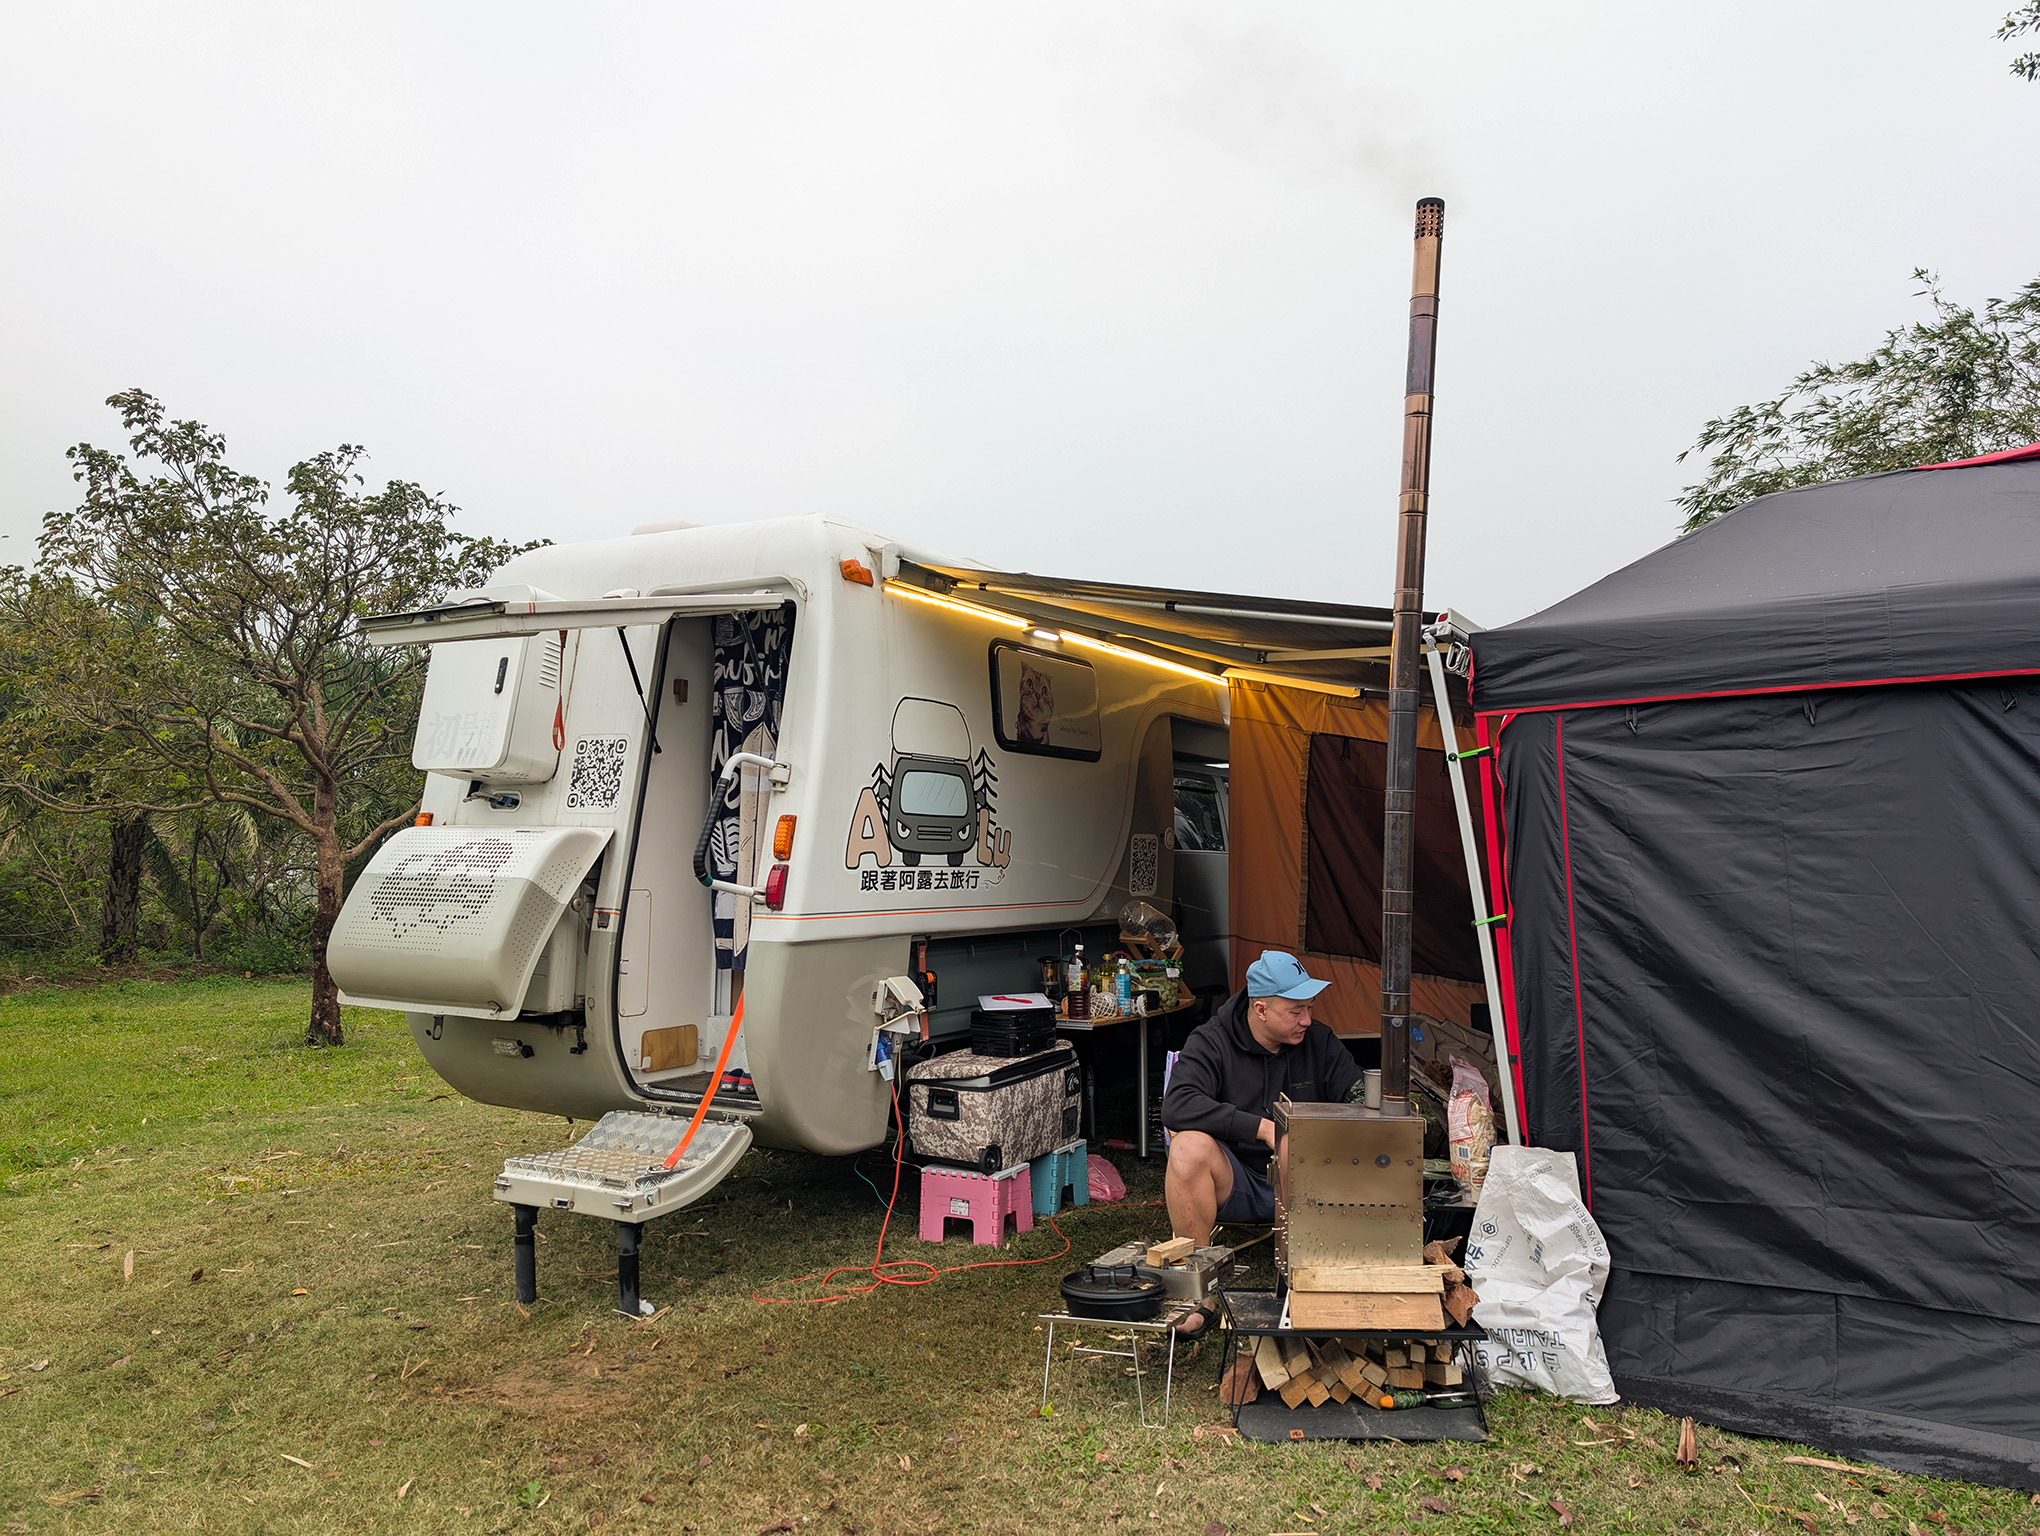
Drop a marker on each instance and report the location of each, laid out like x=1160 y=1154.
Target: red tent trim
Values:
x=2030 y=451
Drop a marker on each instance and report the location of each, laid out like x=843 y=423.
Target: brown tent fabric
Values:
x=1270 y=752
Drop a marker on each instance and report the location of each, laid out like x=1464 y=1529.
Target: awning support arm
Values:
x=651 y=727
x=1483 y=924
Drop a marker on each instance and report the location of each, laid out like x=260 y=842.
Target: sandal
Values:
x=1195 y=1323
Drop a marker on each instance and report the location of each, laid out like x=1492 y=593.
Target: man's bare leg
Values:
x=1199 y=1179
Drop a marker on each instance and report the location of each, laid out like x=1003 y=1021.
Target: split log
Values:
x=1241 y=1384
x=1268 y=1361
x=1460 y=1301
x=1295 y=1356
x=1331 y=1310
x=1395 y=1279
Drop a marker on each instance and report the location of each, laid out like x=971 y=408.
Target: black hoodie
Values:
x=1226 y=1082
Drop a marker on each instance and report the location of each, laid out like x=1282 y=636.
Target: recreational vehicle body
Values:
x=779 y=764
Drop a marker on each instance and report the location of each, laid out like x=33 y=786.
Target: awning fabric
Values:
x=1886 y=578
x=1299 y=672
x=1327 y=645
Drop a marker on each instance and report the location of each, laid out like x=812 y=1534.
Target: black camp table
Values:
x=1258 y=1314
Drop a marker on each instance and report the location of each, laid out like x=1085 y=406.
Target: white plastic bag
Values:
x=1540 y=1264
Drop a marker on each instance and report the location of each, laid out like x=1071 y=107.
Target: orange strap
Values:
x=708 y=1098
x=560 y=702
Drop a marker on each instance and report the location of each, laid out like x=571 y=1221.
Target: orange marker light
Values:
x=424 y=819
x=782 y=838
x=857 y=571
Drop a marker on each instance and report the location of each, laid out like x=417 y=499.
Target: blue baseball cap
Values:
x=1276 y=974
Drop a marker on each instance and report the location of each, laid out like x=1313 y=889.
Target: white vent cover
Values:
x=453 y=919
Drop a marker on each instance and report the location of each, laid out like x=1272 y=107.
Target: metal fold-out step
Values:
x=618 y=1172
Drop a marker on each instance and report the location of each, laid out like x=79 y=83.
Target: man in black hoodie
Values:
x=1260 y=1044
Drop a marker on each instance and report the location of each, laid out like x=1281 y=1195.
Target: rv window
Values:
x=1044 y=703
x=922 y=793
x=1200 y=828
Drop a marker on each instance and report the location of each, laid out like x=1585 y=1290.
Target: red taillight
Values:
x=775 y=887
x=782 y=838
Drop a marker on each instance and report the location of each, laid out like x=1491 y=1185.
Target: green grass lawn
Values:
x=319 y=1334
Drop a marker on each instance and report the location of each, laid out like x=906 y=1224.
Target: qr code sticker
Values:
x=1146 y=864
x=597 y=778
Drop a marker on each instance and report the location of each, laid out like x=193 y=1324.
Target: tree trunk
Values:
x=325 y=1024
x=120 y=912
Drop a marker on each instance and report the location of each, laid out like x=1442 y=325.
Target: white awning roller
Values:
x=454 y=919
x=496 y=613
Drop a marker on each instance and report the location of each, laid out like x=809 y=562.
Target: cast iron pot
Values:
x=1120 y=1293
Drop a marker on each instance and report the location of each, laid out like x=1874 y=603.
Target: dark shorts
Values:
x=1251 y=1199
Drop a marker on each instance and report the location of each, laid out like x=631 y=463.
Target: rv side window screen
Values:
x=1044 y=703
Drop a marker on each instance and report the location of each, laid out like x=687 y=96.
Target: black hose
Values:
x=707 y=832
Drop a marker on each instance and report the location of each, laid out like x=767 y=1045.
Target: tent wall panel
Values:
x=1777 y=982
x=1270 y=752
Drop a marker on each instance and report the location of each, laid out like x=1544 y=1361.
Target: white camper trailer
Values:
x=782 y=763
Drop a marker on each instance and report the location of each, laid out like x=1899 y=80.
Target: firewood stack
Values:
x=1316 y=1371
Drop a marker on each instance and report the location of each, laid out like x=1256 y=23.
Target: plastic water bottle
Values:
x=1122 y=986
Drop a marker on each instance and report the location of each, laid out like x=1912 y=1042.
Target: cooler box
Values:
x=993 y=1112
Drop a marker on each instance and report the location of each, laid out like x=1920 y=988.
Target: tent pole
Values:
x=1483 y=930
x=1399 y=801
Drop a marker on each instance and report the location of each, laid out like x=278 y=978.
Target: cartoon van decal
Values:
x=932 y=807
x=935 y=798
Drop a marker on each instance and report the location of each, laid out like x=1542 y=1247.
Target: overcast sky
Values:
x=1089 y=288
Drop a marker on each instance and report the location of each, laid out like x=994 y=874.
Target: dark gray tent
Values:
x=1767 y=806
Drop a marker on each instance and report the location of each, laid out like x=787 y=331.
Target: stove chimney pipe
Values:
x=1399 y=815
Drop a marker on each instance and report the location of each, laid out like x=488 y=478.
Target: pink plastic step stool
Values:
x=985 y=1200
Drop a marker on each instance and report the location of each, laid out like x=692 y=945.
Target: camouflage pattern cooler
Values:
x=993 y=1112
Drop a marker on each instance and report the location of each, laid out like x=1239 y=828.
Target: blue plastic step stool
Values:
x=1066 y=1168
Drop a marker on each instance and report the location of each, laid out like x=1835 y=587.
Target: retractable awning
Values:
x=1332 y=648
x=484 y=618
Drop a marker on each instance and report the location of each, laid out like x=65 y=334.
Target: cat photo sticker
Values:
x=1044 y=703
